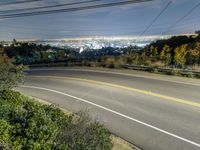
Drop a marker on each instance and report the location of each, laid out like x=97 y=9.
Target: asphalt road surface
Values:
x=154 y=112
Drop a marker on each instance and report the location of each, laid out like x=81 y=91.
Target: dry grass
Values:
x=158 y=64
x=120 y=144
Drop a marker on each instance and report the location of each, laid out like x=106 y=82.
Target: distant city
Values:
x=98 y=42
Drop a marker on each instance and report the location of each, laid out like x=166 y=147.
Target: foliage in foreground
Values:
x=10 y=75
x=26 y=124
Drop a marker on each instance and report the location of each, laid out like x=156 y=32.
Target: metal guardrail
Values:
x=185 y=72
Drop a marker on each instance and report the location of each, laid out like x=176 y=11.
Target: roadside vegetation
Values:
x=28 y=124
x=177 y=53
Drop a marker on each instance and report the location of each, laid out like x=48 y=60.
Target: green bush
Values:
x=11 y=97
x=27 y=124
x=5 y=110
x=188 y=74
x=4 y=134
x=34 y=126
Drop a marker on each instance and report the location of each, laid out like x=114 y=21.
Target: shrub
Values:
x=154 y=70
x=12 y=97
x=188 y=74
x=110 y=62
x=26 y=124
x=4 y=134
x=86 y=135
x=34 y=126
x=158 y=64
x=173 y=72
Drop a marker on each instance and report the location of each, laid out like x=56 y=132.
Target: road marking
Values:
x=118 y=73
x=163 y=97
x=117 y=113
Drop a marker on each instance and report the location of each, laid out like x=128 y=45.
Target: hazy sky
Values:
x=130 y=19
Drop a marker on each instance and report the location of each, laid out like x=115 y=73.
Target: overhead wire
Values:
x=156 y=18
x=123 y=32
x=106 y=5
x=51 y=6
x=18 y=2
x=73 y=9
x=35 y=28
x=182 y=18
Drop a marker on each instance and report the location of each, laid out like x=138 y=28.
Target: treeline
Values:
x=178 y=51
x=175 y=52
x=31 y=53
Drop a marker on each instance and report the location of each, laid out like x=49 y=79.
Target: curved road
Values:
x=154 y=112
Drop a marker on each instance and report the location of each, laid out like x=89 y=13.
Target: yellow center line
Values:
x=164 y=97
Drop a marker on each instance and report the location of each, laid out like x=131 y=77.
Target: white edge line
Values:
x=117 y=113
x=118 y=73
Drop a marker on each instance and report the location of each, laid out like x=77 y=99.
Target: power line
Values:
x=52 y=6
x=51 y=35
x=182 y=18
x=72 y=30
x=64 y=34
x=72 y=9
x=18 y=2
x=35 y=28
x=64 y=30
x=156 y=18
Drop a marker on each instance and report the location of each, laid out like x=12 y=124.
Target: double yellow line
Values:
x=163 y=97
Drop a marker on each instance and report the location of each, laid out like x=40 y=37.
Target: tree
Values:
x=153 y=51
x=134 y=58
x=110 y=62
x=197 y=32
x=14 y=41
x=165 y=55
x=197 y=52
x=193 y=55
x=180 y=55
x=60 y=55
x=10 y=75
x=130 y=50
